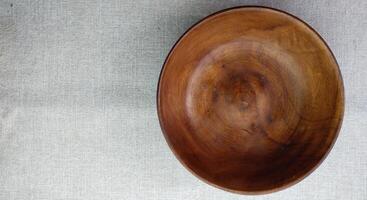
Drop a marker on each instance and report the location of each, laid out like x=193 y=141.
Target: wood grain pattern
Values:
x=250 y=100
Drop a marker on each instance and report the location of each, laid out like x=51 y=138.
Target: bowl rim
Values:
x=290 y=183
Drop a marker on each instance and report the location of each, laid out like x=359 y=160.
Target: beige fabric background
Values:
x=77 y=99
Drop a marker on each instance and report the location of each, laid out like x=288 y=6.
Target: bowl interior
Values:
x=250 y=100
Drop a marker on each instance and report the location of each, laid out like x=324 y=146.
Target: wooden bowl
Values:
x=250 y=100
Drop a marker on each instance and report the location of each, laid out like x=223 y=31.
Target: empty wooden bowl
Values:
x=250 y=100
